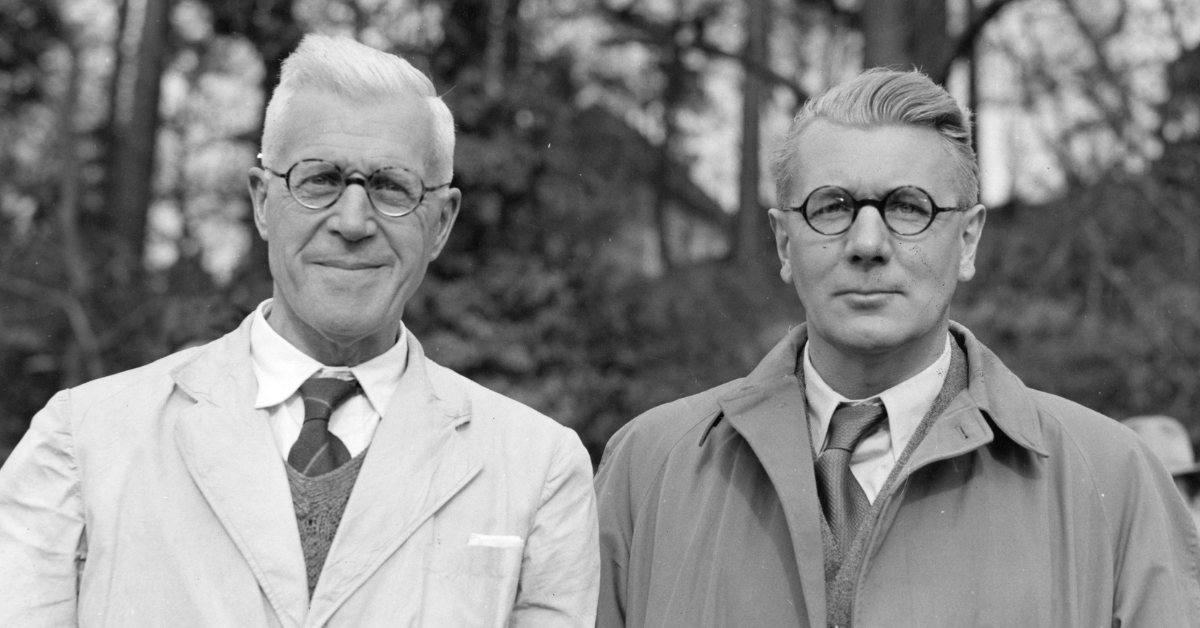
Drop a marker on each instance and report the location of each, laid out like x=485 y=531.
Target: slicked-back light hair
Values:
x=881 y=97
x=357 y=73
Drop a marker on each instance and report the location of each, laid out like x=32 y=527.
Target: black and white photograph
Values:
x=599 y=313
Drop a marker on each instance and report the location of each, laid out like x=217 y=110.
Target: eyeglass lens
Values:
x=906 y=210
x=318 y=184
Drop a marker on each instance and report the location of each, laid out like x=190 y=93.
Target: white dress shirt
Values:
x=907 y=403
x=281 y=368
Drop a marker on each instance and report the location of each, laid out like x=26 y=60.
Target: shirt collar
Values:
x=906 y=402
x=281 y=368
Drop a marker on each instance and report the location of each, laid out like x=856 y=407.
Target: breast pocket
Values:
x=472 y=585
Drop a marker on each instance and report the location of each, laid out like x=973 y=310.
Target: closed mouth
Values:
x=349 y=265
x=865 y=293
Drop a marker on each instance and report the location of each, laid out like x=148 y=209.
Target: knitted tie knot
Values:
x=851 y=424
x=323 y=394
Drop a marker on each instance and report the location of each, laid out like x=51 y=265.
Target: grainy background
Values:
x=612 y=252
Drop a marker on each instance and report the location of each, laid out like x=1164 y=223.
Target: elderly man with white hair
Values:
x=313 y=467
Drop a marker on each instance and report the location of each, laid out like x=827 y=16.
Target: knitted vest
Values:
x=319 y=503
x=840 y=584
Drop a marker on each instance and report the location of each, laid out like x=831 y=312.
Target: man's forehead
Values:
x=312 y=102
x=872 y=159
x=375 y=127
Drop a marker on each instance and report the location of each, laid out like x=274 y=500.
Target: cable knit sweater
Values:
x=319 y=503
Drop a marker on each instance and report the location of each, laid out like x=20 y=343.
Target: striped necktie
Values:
x=317 y=451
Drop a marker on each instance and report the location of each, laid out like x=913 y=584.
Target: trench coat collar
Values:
x=768 y=410
x=1000 y=395
x=992 y=388
x=416 y=462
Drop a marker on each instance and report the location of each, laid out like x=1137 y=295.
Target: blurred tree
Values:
x=904 y=33
x=671 y=36
x=752 y=242
x=1095 y=296
x=917 y=33
x=28 y=29
x=271 y=27
x=581 y=124
x=137 y=82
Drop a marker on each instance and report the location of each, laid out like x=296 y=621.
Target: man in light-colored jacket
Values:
x=881 y=467
x=312 y=468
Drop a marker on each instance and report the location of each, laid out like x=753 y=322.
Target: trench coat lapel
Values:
x=769 y=412
x=417 y=461
x=230 y=452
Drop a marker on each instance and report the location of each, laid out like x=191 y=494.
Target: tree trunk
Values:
x=752 y=234
x=905 y=34
x=135 y=132
x=84 y=363
x=114 y=82
x=275 y=39
x=973 y=79
x=672 y=94
x=78 y=277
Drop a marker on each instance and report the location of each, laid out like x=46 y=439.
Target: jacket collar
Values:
x=768 y=411
x=1000 y=394
x=992 y=388
x=228 y=449
x=416 y=462
x=776 y=371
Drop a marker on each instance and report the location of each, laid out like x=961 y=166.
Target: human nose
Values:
x=354 y=216
x=868 y=240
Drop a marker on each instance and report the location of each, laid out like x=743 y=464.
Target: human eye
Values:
x=317 y=177
x=909 y=202
x=396 y=186
x=904 y=208
x=829 y=203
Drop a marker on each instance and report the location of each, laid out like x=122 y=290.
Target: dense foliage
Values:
x=559 y=286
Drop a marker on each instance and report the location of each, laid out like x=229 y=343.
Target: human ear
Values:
x=782 y=240
x=447 y=213
x=972 y=230
x=257 y=180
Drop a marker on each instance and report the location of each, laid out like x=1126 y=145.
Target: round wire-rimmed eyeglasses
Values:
x=393 y=191
x=907 y=210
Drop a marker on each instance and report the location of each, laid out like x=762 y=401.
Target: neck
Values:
x=860 y=375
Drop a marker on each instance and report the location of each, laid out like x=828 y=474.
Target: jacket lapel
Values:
x=769 y=413
x=1001 y=395
x=416 y=462
x=992 y=392
x=230 y=452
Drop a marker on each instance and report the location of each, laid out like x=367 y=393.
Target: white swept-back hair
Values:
x=358 y=73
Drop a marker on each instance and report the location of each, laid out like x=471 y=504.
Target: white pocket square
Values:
x=494 y=540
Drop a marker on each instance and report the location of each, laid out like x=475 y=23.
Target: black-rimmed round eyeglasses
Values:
x=393 y=191
x=906 y=210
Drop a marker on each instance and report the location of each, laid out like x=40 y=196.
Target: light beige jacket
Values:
x=160 y=494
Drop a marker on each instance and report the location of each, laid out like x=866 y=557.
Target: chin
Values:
x=363 y=321
x=871 y=337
